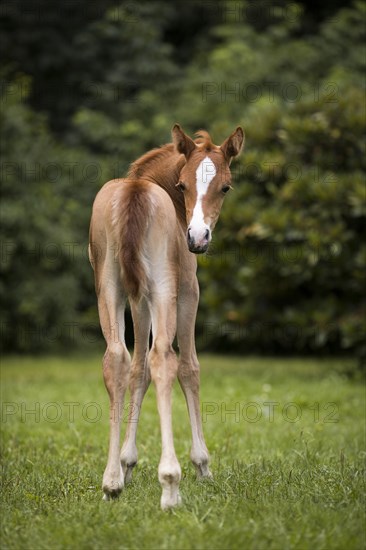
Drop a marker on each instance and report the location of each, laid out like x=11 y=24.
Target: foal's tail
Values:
x=135 y=211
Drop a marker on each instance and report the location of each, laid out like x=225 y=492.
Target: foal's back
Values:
x=134 y=223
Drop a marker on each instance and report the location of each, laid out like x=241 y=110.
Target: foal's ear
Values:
x=183 y=143
x=233 y=145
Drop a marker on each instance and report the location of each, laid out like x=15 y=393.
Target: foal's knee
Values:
x=162 y=357
x=116 y=365
x=189 y=374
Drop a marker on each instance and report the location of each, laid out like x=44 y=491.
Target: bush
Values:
x=286 y=269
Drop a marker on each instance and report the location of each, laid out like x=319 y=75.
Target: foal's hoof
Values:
x=112 y=488
x=169 y=479
x=203 y=471
x=170 y=500
x=127 y=469
x=107 y=496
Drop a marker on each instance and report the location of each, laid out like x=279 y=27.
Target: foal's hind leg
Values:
x=163 y=366
x=116 y=367
x=189 y=374
x=139 y=382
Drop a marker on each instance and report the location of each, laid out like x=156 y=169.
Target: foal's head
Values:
x=204 y=179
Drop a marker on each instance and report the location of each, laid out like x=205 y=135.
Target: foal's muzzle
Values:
x=198 y=246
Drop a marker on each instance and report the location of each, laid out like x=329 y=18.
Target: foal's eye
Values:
x=226 y=188
x=180 y=185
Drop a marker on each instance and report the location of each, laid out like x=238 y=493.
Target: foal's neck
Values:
x=162 y=167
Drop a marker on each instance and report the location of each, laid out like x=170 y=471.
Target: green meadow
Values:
x=287 y=443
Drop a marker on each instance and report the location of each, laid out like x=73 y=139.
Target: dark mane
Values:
x=162 y=166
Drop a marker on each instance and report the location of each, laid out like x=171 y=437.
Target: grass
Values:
x=286 y=439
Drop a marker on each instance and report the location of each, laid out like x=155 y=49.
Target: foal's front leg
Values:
x=189 y=375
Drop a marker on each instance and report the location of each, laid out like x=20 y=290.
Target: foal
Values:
x=143 y=231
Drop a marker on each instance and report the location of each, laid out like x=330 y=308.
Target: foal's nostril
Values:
x=207 y=234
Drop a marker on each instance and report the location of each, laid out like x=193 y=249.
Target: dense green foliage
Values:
x=84 y=96
x=293 y=478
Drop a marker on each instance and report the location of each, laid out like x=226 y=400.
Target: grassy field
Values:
x=286 y=439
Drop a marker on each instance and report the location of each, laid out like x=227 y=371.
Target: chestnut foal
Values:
x=143 y=231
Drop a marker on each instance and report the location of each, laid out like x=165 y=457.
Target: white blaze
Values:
x=205 y=173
